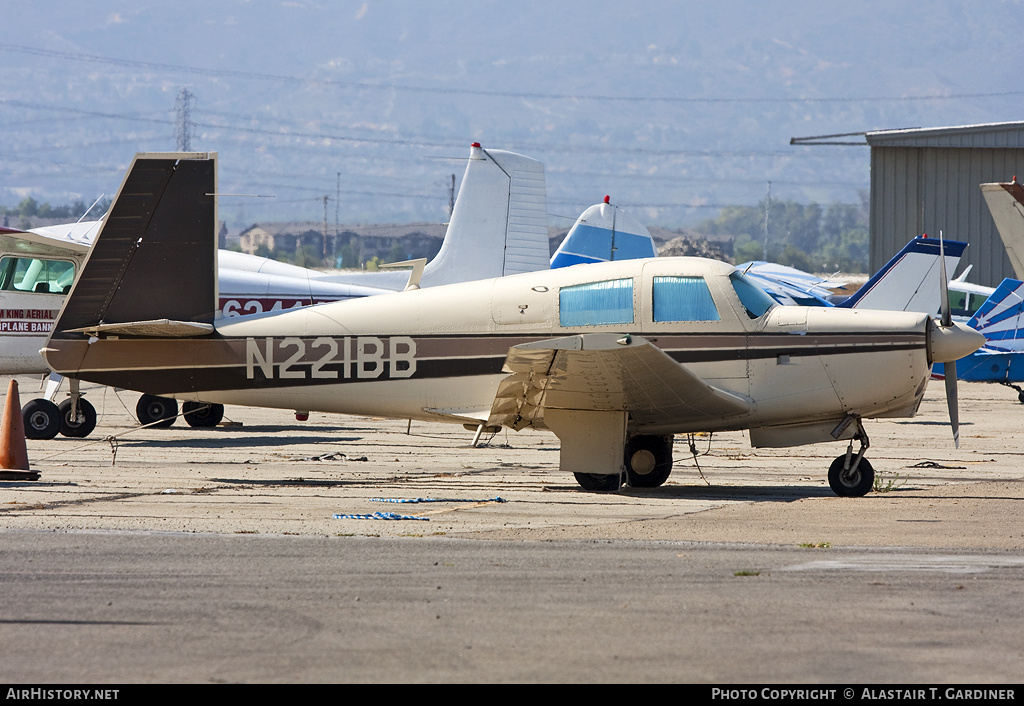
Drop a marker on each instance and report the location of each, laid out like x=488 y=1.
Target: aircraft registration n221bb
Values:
x=614 y=357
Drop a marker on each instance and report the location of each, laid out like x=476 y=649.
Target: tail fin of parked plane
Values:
x=604 y=232
x=1001 y=318
x=163 y=221
x=1006 y=202
x=499 y=225
x=910 y=281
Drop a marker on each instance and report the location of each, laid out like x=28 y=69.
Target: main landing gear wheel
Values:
x=598 y=481
x=156 y=411
x=77 y=426
x=648 y=460
x=851 y=483
x=42 y=419
x=201 y=414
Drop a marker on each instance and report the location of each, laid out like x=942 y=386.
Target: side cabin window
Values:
x=28 y=274
x=754 y=299
x=683 y=299
x=965 y=304
x=596 y=303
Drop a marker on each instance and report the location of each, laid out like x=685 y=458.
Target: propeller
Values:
x=948 y=368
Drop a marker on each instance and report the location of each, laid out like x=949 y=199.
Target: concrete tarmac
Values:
x=263 y=472
x=252 y=552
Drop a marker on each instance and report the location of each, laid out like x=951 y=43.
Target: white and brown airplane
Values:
x=498 y=227
x=614 y=357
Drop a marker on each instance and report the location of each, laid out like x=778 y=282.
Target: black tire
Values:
x=201 y=414
x=83 y=424
x=42 y=419
x=648 y=460
x=855 y=486
x=159 y=412
x=598 y=481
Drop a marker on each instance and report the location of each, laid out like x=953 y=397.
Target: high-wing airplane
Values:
x=498 y=227
x=614 y=357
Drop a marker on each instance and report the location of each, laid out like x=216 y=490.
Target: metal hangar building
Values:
x=928 y=180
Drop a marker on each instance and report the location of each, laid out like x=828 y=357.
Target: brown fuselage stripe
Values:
x=217 y=363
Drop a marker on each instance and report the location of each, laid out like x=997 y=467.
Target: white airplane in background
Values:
x=498 y=227
x=614 y=358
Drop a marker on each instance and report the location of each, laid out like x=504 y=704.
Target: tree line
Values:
x=23 y=215
x=808 y=237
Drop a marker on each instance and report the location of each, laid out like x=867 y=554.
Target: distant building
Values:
x=927 y=180
x=253 y=238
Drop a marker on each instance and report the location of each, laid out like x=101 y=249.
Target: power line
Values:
x=368 y=85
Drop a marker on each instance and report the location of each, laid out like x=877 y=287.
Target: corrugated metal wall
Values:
x=927 y=181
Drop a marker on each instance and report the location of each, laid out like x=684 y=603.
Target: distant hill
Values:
x=674 y=108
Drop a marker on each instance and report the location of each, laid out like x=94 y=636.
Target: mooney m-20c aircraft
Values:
x=614 y=357
x=498 y=227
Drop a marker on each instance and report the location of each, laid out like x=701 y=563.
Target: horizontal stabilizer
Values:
x=155 y=328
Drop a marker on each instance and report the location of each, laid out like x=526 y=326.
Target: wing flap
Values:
x=606 y=372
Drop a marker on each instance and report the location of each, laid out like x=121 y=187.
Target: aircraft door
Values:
x=686 y=311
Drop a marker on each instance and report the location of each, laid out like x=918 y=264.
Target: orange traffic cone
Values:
x=13 y=451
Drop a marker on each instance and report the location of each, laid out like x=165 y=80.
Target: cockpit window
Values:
x=683 y=299
x=27 y=274
x=754 y=299
x=596 y=303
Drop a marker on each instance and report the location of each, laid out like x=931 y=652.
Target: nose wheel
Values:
x=851 y=475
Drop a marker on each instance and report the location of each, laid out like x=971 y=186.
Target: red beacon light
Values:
x=607 y=199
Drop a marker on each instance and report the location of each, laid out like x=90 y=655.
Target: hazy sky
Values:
x=675 y=108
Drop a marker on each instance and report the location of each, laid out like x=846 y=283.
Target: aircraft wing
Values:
x=788 y=285
x=605 y=372
x=29 y=243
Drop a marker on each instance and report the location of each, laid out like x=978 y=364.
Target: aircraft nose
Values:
x=949 y=343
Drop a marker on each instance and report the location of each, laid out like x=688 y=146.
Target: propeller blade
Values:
x=949 y=369
x=947 y=314
x=951 y=400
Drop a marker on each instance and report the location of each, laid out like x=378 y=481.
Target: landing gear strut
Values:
x=850 y=475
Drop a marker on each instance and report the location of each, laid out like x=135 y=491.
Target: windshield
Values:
x=754 y=299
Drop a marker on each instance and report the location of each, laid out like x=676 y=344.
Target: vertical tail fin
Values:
x=162 y=222
x=1001 y=318
x=910 y=281
x=604 y=232
x=1006 y=203
x=499 y=225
